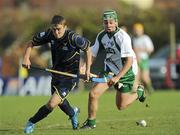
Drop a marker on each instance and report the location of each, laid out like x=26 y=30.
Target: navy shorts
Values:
x=63 y=88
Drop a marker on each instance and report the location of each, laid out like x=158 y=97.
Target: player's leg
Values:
x=63 y=91
x=94 y=95
x=72 y=112
x=46 y=109
x=137 y=87
x=125 y=96
x=42 y=113
x=66 y=108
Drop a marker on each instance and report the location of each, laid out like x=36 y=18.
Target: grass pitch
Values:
x=162 y=117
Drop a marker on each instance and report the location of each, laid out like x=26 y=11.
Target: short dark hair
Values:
x=57 y=19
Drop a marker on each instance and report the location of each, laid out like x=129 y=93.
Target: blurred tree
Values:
x=18 y=24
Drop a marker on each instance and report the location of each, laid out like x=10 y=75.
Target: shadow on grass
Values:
x=38 y=130
x=11 y=131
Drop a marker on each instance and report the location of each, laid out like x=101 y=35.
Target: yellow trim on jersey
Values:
x=72 y=56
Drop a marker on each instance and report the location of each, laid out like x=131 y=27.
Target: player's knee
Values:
x=93 y=95
x=51 y=105
x=121 y=107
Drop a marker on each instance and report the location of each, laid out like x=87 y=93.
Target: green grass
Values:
x=163 y=116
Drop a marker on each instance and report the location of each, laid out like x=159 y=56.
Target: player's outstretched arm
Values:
x=26 y=58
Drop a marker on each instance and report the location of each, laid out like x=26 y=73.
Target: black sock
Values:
x=66 y=108
x=41 y=114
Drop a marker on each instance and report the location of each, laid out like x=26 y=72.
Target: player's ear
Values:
x=116 y=23
x=103 y=25
x=65 y=26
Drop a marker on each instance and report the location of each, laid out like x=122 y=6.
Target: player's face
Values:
x=58 y=30
x=110 y=25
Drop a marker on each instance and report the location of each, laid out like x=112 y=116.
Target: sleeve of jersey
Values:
x=126 y=47
x=40 y=39
x=95 y=48
x=79 y=41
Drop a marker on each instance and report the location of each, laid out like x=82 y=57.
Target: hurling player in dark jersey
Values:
x=65 y=49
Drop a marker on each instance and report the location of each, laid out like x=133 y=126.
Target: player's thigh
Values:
x=98 y=89
x=123 y=93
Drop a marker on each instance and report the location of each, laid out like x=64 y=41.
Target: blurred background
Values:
x=20 y=19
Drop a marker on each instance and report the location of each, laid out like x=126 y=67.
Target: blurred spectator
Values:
x=143 y=47
x=10 y=65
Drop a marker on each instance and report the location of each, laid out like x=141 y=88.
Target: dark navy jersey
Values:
x=65 y=51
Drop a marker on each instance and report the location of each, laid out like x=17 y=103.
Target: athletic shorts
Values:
x=127 y=82
x=62 y=88
x=144 y=64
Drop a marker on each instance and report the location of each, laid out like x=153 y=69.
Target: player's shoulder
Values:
x=45 y=34
x=101 y=34
x=70 y=31
x=122 y=34
x=42 y=36
x=70 y=34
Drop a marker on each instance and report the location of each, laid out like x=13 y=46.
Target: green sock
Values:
x=139 y=92
x=92 y=122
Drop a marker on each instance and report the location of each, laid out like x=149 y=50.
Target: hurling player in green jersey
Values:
x=121 y=61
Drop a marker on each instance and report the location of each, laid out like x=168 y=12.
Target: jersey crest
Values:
x=42 y=34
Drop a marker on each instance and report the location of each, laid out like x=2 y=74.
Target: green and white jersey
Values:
x=117 y=45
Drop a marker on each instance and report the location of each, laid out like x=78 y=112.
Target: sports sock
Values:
x=66 y=108
x=92 y=122
x=41 y=114
x=139 y=91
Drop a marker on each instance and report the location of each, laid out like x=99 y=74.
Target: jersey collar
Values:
x=111 y=34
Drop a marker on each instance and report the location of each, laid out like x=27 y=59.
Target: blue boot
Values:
x=74 y=119
x=29 y=127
